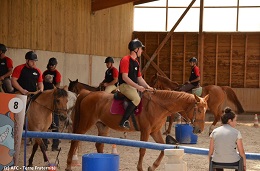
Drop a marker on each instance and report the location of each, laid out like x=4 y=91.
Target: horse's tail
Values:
x=231 y=95
x=76 y=117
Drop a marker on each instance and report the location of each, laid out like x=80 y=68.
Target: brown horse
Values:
x=217 y=97
x=94 y=108
x=39 y=114
x=76 y=87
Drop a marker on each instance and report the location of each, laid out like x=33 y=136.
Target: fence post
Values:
x=175 y=160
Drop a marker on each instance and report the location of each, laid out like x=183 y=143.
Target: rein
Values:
x=190 y=108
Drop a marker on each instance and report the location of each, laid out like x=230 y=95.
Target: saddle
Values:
x=120 y=102
x=197 y=91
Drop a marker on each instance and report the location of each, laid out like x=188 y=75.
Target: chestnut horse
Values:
x=76 y=87
x=217 y=97
x=94 y=108
x=39 y=114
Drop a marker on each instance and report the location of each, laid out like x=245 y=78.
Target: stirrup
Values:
x=126 y=125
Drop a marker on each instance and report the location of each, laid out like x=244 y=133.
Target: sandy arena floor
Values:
x=129 y=155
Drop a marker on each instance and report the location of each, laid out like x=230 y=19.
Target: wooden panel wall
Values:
x=231 y=59
x=66 y=26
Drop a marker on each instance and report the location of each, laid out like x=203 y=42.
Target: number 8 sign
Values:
x=15 y=105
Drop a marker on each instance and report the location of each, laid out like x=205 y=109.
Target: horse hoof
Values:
x=68 y=169
x=150 y=168
x=30 y=165
x=166 y=133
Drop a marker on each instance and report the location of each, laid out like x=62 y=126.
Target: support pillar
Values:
x=175 y=160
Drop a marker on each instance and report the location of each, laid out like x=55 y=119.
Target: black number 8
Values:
x=15 y=105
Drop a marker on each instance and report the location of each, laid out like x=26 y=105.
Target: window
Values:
x=219 y=15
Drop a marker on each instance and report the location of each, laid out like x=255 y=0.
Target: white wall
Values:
x=87 y=69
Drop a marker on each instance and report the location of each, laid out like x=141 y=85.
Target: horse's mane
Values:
x=60 y=92
x=34 y=97
x=174 y=95
x=86 y=86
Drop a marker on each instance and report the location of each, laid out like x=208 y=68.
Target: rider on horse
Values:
x=194 y=79
x=27 y=77
x=131 y=80
x=6 y=69
x=111 y=76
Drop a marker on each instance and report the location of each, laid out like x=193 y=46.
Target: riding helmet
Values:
x=3 y=48
x=109 y=59
x=52 y=61
x=133 y=44
x=193 y=59
x=31 y=56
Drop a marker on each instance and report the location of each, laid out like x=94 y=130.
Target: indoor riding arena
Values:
x=223 y=36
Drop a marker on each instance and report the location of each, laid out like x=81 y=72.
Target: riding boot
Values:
x=53 y=125
x=128 y=112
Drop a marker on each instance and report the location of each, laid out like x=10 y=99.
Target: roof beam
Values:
x=103 y=4
x=138 y=2
x=169 y=34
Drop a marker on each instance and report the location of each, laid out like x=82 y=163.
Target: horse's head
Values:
x=73 y=86
x=197 y=115
x=161 y=82
x=60 y=100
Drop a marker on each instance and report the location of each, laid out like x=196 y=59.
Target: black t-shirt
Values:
x=27 y=77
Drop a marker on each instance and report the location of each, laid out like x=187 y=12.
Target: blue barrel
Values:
x=184 y=134
x=100 y=162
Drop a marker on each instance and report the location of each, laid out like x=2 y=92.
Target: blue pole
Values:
x=124 y=142
x=25 y=140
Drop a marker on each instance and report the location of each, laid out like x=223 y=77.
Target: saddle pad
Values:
x=117 y=107
x=197 y=91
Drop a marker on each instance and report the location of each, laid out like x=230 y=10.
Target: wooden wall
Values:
x=66 y=26
x=231 y=59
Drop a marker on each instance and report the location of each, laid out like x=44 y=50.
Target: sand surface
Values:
x=129 y=155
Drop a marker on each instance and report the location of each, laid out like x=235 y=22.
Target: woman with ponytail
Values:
x=225 y=141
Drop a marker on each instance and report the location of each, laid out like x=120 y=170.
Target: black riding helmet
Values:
x=109 y=59
x=3 y=48
x=31 y=56
x=52 y=61
x=133 y=44
x=193 y=59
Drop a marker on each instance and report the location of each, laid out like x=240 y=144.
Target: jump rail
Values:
x=124 y=142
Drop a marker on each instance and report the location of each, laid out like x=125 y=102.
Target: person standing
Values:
x=111 y=76
x=27 y=77
x=6 y=69
x=194 y=79
x=52 y=78
x=225 y=141
x=131 y=80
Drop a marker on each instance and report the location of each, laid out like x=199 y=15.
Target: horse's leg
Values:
x=168 y=131
x=217 y=114
x=102 y=131
x=35 y=147
x=144 y=137
x=73 y=149
x=157 y=136
x=43 y=149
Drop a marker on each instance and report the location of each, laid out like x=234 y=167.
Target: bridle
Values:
x=55 y=109
x=195 y=109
